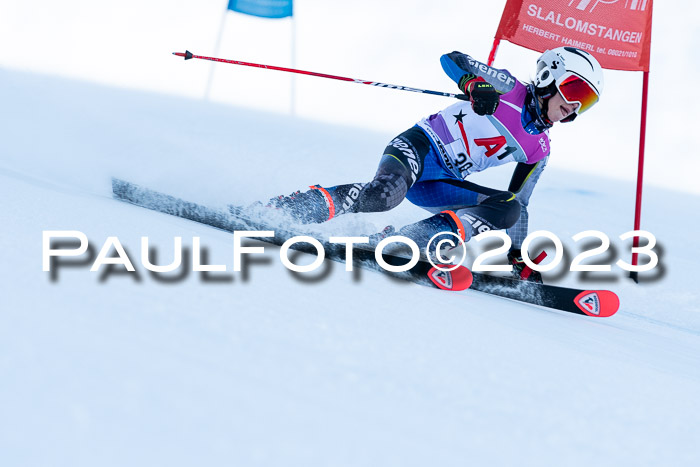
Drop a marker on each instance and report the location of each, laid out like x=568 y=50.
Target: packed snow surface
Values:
x=325 y=368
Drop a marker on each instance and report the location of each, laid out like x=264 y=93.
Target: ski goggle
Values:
x=575 y=89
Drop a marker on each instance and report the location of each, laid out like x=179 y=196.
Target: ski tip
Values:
x=598 y=303
x=186 y=55
x=455 y=280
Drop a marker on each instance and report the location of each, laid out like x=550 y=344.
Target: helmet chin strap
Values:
x=545 y=111
x=538 y=114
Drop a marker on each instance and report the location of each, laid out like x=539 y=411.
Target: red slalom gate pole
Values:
x=188 y=55
x=494 y=50
x=640 y=172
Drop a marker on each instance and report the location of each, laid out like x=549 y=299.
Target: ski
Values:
x=595 y=303
x=231 y=220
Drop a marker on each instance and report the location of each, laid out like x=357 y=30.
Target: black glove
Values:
x=483 y=96
x=521 y=271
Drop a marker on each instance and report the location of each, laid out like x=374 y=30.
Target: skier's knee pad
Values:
x=509 y=207
x=499 y=211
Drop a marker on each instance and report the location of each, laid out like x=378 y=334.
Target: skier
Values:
x=503 y=121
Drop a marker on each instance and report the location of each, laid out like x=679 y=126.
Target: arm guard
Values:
x=525 y=177
x=462 y=69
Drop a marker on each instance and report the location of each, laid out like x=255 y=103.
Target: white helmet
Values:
x=574 y=73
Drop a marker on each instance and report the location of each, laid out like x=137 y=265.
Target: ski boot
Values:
x=310 y=207
x=387 y=231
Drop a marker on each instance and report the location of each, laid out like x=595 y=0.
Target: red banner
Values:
x=617 y=32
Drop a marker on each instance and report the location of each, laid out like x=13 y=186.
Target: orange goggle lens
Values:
x=575 y=89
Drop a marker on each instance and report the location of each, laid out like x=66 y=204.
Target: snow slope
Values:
x=270 y=368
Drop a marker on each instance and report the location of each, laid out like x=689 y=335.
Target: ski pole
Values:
x=188 y=55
